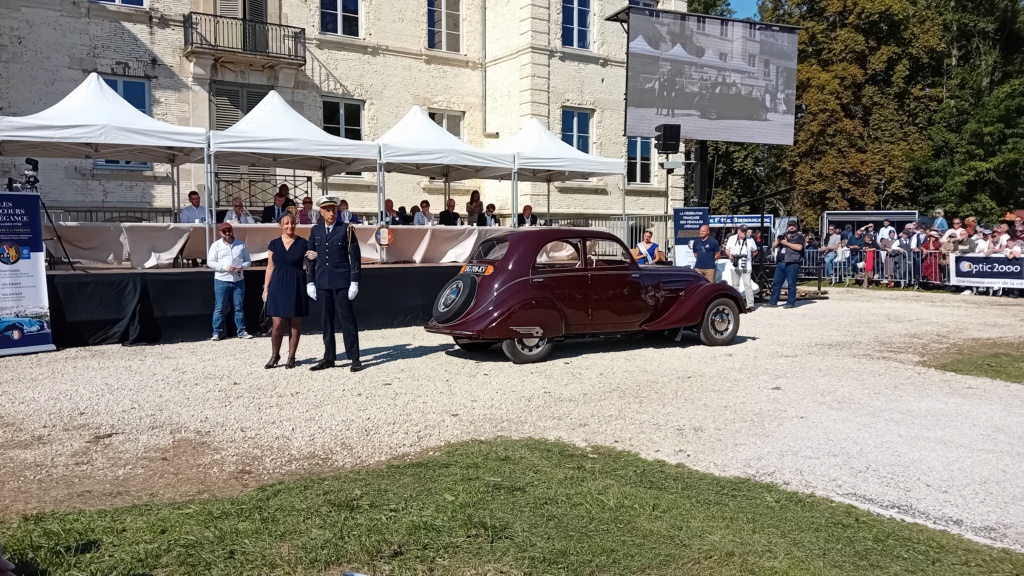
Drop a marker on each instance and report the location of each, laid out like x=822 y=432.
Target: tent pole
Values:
x=547 y=216
x=515 y=194
x=212 y=214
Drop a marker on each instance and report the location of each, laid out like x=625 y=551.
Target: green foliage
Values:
x=501 y=508
x=711 y=7
x=901 y=104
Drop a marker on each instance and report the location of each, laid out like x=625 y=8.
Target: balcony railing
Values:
x=246 y=37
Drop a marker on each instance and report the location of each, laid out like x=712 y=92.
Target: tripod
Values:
x=35 y=190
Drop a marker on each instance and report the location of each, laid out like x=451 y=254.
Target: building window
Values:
x=228 y=104
x=449 y=120
x=723 y=56
x=643 y=3
x=576 y=129
x=340 y=17
x=723 y=29
x=137 y=3
x=136 y=92
x=752 y=31
x=752 y=60
x=343 y=118
x=767 y=68
x=702 y=24
x=444 y=25
x=640 y=163
x=576 y=24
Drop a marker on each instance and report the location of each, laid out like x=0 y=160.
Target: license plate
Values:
x=477 y=269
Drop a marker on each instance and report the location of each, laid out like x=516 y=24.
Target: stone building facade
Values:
x=355 y=67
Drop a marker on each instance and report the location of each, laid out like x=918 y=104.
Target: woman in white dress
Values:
x=238 y=213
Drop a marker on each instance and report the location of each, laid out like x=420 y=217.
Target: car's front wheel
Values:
x=721 y=323
x=762 y=113
x=711 y=114
x=473 y=345
x=526 y=350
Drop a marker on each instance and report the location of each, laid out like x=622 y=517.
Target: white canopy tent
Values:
x=274 y=134
x=417 y=145
x=95 y=122
x=543 y=157
x=640 y=46
x=679 y=54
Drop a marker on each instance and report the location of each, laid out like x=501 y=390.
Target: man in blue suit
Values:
x=333 y=280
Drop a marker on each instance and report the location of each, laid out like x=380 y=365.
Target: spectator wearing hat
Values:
x=932 y=253
x=229 y=258
x=789 y=247
x=332 y=279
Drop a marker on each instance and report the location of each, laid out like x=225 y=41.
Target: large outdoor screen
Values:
x=719 y=79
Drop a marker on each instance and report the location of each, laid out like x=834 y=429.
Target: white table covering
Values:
x=154 y=244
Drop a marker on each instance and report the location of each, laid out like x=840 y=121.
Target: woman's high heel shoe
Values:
x=291 y=362
x=273 y=361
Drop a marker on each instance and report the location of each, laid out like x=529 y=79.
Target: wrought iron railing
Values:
x=243 y=36
x=257 y=190
x=60 y=214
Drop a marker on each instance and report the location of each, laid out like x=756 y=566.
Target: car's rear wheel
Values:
x=762 y=113
x=16 y=334
x=721 y=323
x=455 y=298
x=711 y=114
x=474 y=345
x=526 y=350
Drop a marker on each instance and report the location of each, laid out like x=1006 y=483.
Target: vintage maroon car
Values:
x=529 y=288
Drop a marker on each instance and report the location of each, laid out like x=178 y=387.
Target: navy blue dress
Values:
x=286 y=297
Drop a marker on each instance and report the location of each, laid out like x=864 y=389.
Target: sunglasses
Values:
x=305 y=203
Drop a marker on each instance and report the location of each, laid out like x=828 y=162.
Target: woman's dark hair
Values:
x=401 y=210
x=474 y=196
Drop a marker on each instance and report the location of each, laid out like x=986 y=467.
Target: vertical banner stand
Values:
x=24 y=305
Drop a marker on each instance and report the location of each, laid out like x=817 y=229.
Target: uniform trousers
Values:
x=335 y=309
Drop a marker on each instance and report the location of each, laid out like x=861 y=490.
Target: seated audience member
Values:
x=423 y=217
x=449 y=217
x=964 y=244
x=194 y=213
x=404 y=216
x=344 y=215
x=527 y=218
x=307 y=214
x=413 y=213
x=238 y=213
x=646 y=251
x=271 y=214
x=390 y=217
x=487 y=217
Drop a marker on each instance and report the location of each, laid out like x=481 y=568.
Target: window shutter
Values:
x=229 y=8
x=256 y=10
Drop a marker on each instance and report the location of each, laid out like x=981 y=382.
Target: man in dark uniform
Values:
x=333 y=280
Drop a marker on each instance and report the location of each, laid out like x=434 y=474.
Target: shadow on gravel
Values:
x=383 y=354
x=585 y=346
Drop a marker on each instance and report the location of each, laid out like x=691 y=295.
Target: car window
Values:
x=492 y=249
x=602 y=252
x=559 y=254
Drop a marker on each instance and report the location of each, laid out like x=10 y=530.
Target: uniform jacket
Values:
x=338 y=258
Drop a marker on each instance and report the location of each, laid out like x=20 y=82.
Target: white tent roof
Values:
x=640 y=46
x=417 y=145
x=93 y=121
x=543 y=157
x=680 y=54
x=274 y=134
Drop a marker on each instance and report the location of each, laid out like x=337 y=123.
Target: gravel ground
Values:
x=830 y=398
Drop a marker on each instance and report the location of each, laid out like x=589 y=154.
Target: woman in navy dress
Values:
x=284 y=289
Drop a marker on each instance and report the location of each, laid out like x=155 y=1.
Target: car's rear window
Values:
x=491 y=249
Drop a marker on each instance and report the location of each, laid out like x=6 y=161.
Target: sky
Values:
x=744 y=8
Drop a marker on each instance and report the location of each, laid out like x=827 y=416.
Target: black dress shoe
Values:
x=322 y=364
x=273 y=361
x=290 y=363
x=356 y=366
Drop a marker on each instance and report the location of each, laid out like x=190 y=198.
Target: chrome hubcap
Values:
x=720 y=320
x=450 y=298
x=530 y=345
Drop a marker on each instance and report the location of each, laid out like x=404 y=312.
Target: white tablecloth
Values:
x=151 y=244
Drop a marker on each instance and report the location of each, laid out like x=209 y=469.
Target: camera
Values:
x=739 y=262
x=30 y=180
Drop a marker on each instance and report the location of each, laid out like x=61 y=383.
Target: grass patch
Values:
x=500 y=508
x=1004 y=366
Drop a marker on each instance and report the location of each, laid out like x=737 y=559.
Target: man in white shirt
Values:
x=740 y=249
x=228 y=258
x=883 y=232
x=193 y=213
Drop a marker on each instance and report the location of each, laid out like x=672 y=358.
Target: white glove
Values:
x=311 y=290
x=353 y=289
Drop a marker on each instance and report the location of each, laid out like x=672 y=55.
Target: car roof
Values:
x=525 y=238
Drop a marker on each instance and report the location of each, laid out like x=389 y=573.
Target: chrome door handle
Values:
x=635 y=274
x=536 y=279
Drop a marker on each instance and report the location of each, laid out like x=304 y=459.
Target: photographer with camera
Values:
x=789 y=253
x=740 y=250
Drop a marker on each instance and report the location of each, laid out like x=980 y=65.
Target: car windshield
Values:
x=492 y=249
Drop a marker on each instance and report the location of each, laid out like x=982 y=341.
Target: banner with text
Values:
x=751 y=220
x=24 y=306
x=687 y=222
x=987 y=271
